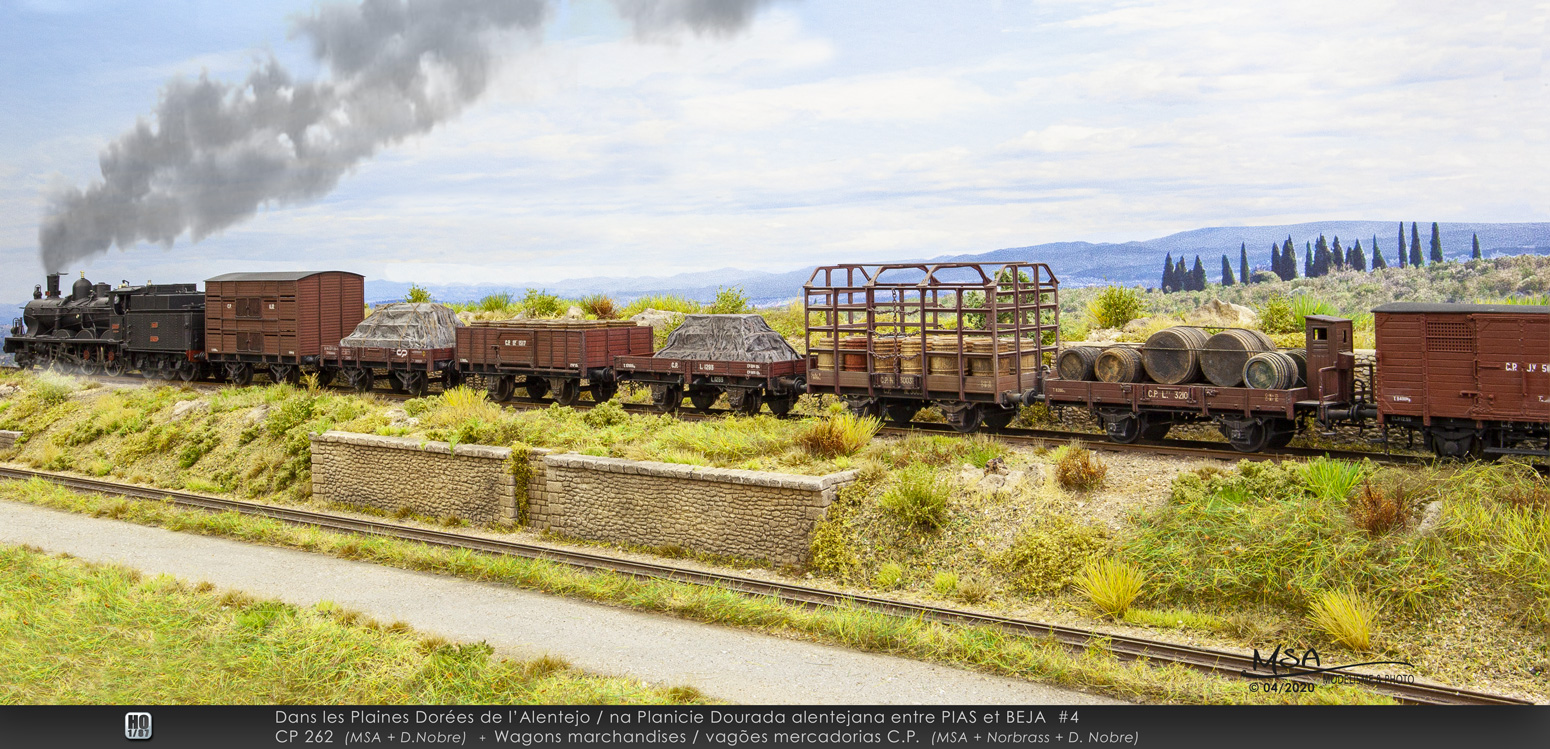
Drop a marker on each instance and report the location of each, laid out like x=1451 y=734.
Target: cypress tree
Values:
x=1357 y=260
x=1307 y=260
x=1336 y=255
x=1226 y=272
x=1288 y=260
x=1377 y=256
x=1198 y=275
x=1402 y=257
x=1320 y=263
x=1436 y=244
x=1415 y=246
x=1243 y=263
x=1167 y=279
x=1181 y=275
x=1475 y=254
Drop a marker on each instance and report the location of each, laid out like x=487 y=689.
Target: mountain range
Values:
x=1074 y=263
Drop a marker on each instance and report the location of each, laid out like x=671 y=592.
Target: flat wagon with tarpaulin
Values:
x=279 y=322
x=1177 y=382
x=1472 y=379
x=549 y=356
x=972 y=339
x=408 y=345
x=711 y=355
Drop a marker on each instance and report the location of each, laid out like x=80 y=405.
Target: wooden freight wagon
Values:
x=1471 y=378
x=279 y=321
x=709 y=356
x=970 y=338
x=1251 y=419
x=559 y=356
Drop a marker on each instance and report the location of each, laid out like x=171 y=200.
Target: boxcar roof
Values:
x=287 y=275
x=1462 y=309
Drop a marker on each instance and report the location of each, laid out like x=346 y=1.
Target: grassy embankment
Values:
x=82 y=633
x=980 y=648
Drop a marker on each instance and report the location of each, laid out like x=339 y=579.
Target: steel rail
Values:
x=1218 y=662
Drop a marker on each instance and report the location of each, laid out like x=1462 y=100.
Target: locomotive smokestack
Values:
x=53 y=286
x=214 y=152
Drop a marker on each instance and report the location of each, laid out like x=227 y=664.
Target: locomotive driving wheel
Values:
x=113 y=367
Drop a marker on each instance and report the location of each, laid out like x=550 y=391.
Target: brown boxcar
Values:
x=549 y=355
x=278 y=321
x=970 y=338
x=1471 y=378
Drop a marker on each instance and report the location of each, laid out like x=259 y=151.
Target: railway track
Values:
x=1199 y=449
x=1217 y=662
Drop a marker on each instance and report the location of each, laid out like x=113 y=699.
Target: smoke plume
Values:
x=215 y=152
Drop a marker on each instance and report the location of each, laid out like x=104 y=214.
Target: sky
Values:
x=820 y=132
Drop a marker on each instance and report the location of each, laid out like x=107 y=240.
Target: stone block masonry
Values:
x=8 y=439
x=473 y=482
x=749 y=514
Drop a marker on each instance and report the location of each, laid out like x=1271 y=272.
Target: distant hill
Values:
x=1074 y=263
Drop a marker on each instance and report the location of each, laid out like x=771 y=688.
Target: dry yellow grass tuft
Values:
x=1111 y=585
x=1346 y=616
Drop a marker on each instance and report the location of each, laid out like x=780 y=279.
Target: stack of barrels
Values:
x=1183 y=355
x=941 y=354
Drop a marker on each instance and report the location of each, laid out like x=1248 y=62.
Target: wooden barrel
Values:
x=1300 y=356
x=1172 y=355
x=823 y=345
x=910 y=359
x=1076 y=363
x=1270 y=370
x=1227 y=352
x=853 y=353
x=1119 y=364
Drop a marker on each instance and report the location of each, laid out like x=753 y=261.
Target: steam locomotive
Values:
x=156 y=329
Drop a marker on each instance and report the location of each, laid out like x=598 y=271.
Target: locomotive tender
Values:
x=977 y=341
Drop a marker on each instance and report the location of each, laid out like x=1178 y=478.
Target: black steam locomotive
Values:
x=156 y=329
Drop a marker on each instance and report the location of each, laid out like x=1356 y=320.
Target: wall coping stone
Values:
x=413 y=443
x=8 y=434
x=702 y=473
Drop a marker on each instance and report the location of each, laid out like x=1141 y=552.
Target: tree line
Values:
x=1318 y=259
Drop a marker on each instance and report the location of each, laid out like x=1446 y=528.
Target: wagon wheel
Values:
x=394 y=384
x=113 y=367
x=997 y=419
x=166 y=370
x=901 y=413
x=359 y=379
x=672 y=397
x=702 y=400
x=501 y=388
x=603 y=390
x=966 y=419
x=326 y=376
x=1247 y=437
x=565 y=391
x=1460 y=446
x=451 y=377
x=1125 y=429
x=1280 y=439
x=749 y=403
x=240 y=375
x=781 y=406
x=188 y=371
x=413 y=383
x=537 y=387
x=1160 y=431
x=286 y=373
x=865 y=407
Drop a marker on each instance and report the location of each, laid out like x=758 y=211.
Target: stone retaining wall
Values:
x=473 y=482
x=8 y=439
x=751 y=514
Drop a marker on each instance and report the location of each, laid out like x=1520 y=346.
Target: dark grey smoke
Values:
x=214 y=152
x=656 y=18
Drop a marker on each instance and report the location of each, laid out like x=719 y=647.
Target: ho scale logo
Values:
x=137 y=726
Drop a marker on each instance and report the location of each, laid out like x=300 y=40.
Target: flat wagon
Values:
x=544 y=356
x=1473 y=379
x=708 y=356
x=971 y=339
x=409 y=345
x=278 y=321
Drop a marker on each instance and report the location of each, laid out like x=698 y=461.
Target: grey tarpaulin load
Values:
x=405 y=325
x=727 y=338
